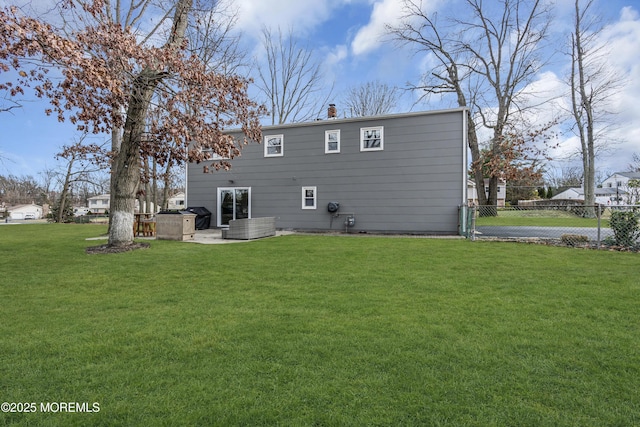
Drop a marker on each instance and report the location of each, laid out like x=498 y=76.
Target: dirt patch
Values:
x=106 y=249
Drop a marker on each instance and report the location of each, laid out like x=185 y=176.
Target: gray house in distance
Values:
x=403 y=173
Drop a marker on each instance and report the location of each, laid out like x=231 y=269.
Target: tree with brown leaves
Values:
x=110 y=81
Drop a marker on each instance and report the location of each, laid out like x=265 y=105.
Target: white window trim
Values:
x=326 y=141
x=362 y=132
x=315 y=197
x=266 y=146
x=219 y=200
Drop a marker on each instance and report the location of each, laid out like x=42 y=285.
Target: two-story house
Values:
x=622 y=192
x=99 y=204
x=402 y=173
x=472 y=194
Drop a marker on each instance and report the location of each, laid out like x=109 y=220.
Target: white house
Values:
x=99 y=204
x=604 y=196
x=30 y=211
x=619 y=182
x=176 y=202
x=472 y=194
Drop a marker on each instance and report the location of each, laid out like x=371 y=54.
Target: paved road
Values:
x=541 y=232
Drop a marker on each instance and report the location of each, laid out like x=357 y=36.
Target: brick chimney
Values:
x=332 y=113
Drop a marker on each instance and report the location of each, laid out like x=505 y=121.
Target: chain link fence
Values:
x=601 y=227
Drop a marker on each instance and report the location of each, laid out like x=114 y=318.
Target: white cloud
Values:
x=334 y=62
x=370 y=36
x=298 y=15
x=623 y=39
x=338 y=54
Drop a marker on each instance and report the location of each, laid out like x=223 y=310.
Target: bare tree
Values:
x=7 y=104
x=290 y=80
x=485 y=61
x=561 y=178
x=634 y=166
x=214 y=40
x=20 y=189
x=592 y=86
x=81 y=166
x=370 y=99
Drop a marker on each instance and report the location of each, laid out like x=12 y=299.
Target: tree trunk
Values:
x=167 y=183
x=116 y=142
x=486 y=207
x=146 y=208
x=65 y=192
x=583 y=111
x=154 y=187
x=127 y=161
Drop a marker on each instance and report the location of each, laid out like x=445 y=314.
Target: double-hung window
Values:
x=215 y=156
x=372 y=139
x=331 y=141
x=274 y=145
x=309 y=197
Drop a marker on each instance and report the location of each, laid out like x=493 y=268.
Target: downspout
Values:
x=465 y=146
x=186 y=183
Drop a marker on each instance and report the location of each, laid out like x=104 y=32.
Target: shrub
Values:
x=626 y=230
x=573 y=239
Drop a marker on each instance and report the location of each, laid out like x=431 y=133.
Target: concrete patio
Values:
x=214 y=236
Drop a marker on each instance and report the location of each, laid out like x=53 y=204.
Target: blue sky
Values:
x=347 y=36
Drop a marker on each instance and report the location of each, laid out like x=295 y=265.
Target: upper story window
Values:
x=372 y=139
x=331 y=141
x=216 y=156
x=273 y=145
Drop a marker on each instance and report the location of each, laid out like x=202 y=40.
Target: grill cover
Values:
x=203 y=216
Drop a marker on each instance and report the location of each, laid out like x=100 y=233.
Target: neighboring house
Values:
x=625 y=193
x=30 y=211
x=472 y=195
x=99 y=204
x=604 y=196
x=176 y=202
x=80 y=210
x=394 y=173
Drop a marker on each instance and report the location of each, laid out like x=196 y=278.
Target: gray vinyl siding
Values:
x=414 y=185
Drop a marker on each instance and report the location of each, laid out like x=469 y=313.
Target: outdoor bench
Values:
x=250 y=228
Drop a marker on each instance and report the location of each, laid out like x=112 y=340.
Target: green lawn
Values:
x=540 y=218
x=318 y=330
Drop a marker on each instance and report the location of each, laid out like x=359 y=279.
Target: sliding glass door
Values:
x=233 y=203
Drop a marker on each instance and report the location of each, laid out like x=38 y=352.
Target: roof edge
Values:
x=321 y=122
